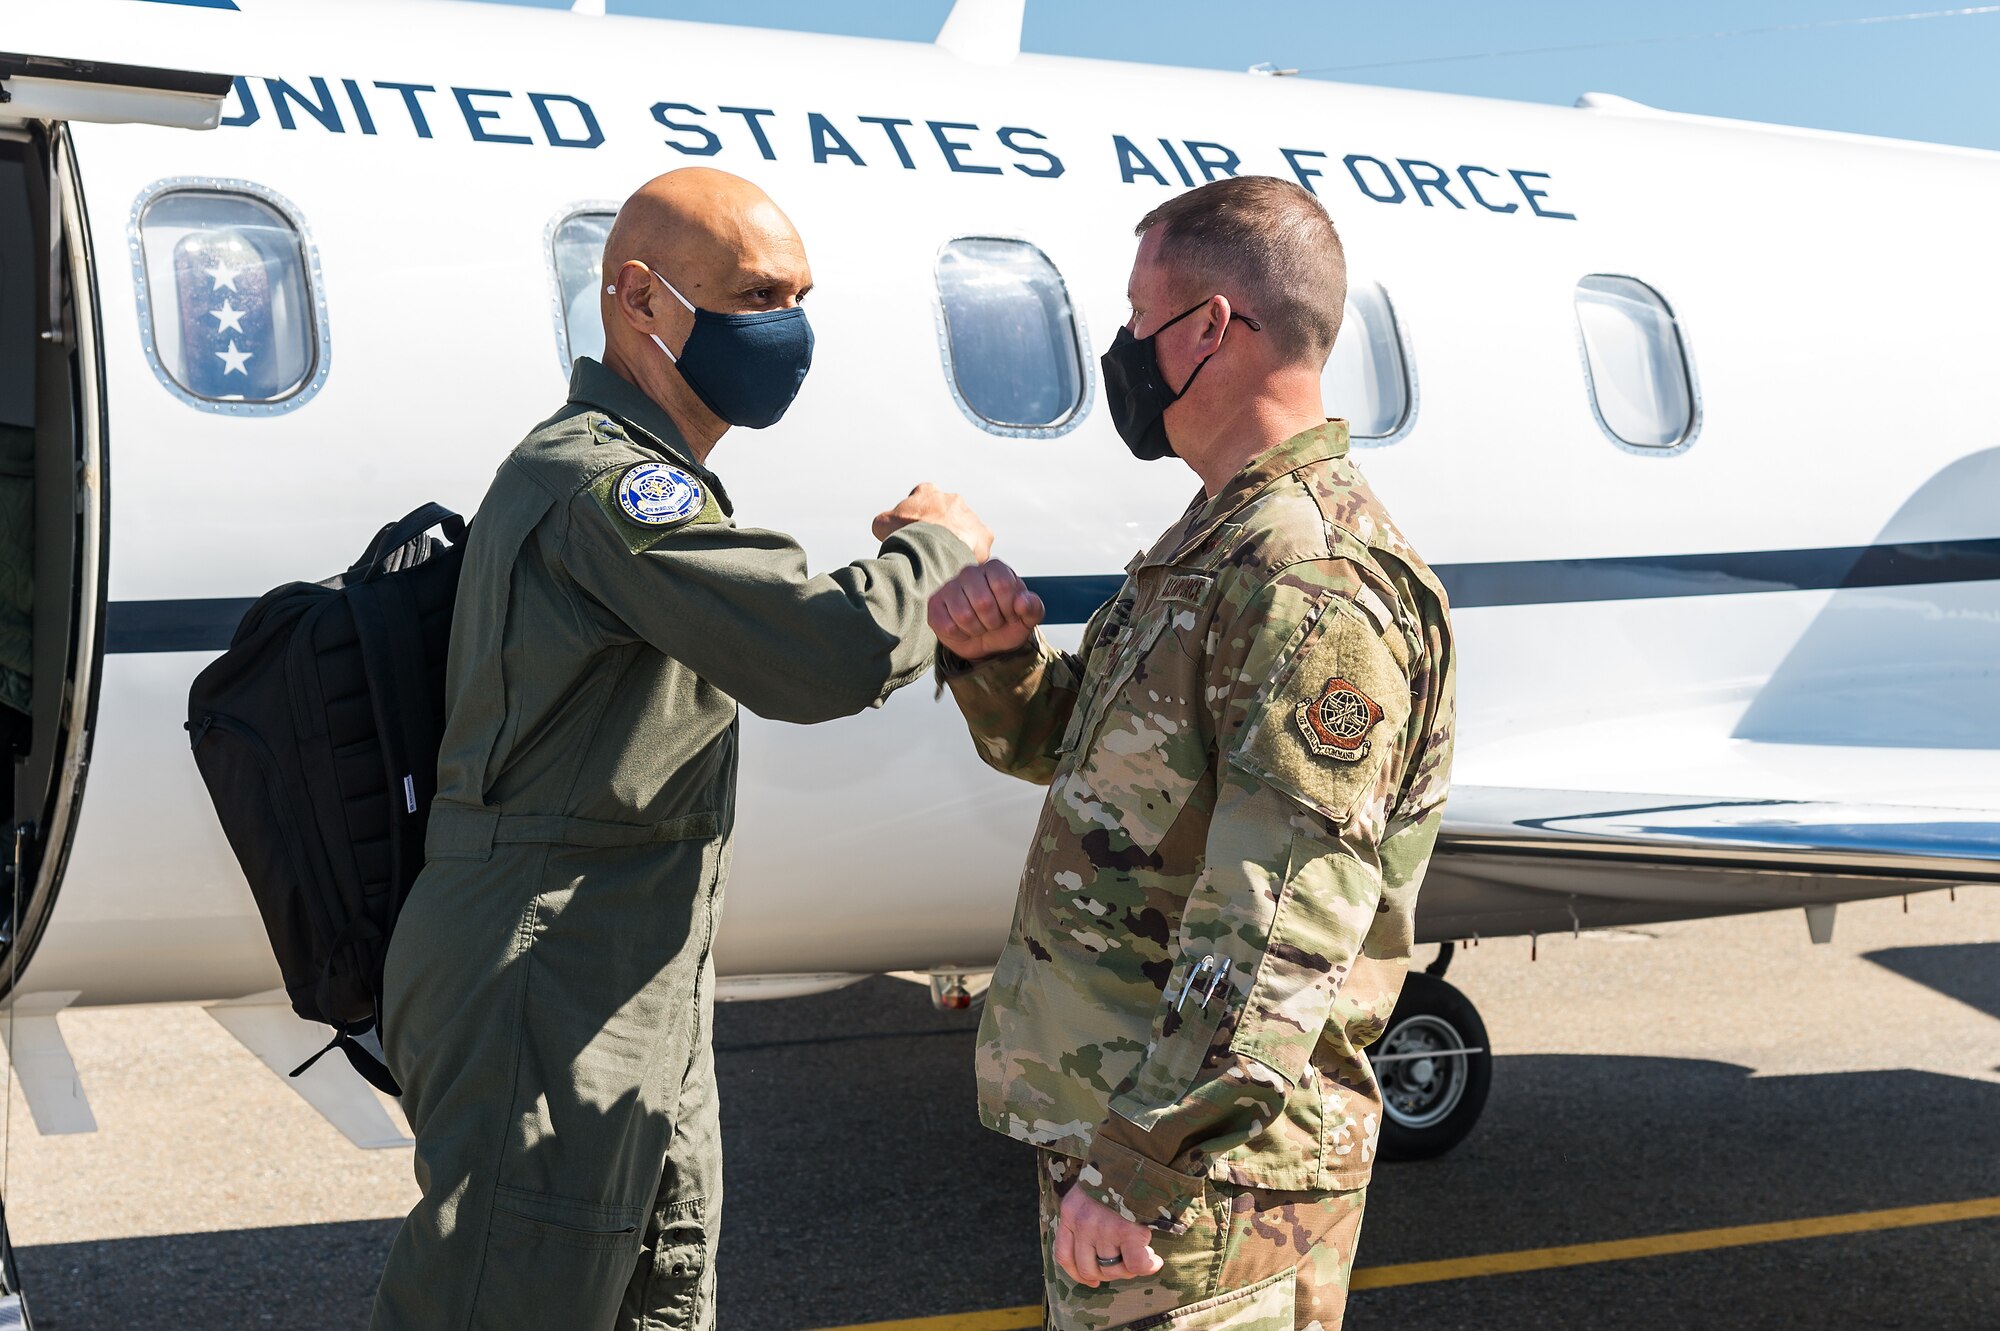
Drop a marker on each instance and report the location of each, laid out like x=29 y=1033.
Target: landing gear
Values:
x=1434 y=1067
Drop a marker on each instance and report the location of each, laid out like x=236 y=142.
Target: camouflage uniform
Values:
x=1247 y=766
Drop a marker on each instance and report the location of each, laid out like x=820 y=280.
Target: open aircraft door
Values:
x=54 y=474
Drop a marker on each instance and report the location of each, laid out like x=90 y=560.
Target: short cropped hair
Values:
x=1266 y=242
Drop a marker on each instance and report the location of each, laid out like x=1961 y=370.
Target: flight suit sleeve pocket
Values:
x=1332 y=720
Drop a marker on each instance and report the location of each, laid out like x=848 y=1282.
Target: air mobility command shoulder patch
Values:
x=658 y=494
x=1336 y=724
x=1326 y=726
x=649 y=501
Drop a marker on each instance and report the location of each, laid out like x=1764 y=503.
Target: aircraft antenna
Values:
x=985 y=31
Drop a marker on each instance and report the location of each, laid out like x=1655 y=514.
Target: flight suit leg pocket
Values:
x=681 y=1288
x=555 y=1261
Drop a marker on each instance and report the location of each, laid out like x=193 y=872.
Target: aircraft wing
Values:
x=1517 y=860
x=1773 y=835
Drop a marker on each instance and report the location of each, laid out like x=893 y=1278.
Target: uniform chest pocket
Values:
x=1138 y=750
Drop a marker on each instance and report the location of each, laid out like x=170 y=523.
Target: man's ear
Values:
x=1214 y=323
x=633 y=291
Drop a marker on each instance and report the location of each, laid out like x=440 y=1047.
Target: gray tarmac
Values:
x=1684 y=1077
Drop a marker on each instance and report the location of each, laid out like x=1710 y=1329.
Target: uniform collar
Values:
x=592 y=384
x=1319 y=444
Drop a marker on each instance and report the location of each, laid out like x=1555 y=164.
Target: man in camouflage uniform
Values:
x=550 y=986
x=1247 y=762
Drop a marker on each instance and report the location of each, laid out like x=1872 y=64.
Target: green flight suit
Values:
x=550 y=986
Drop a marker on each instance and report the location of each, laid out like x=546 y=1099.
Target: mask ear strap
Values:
x=1190 y=379
x=1234 y=317
x=677 y=295
x=611 y=289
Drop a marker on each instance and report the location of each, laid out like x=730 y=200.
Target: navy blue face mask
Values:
x=746 y=368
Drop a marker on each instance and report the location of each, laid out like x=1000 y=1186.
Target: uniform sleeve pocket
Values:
x=1324 y=912
x=1333 y=721
x=1182 y=1039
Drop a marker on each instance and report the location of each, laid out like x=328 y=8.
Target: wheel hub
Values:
x=1419 y=1092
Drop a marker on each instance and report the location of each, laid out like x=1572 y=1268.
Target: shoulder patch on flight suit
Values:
x=658 y=494
x=647 y=501
x=1330 y=721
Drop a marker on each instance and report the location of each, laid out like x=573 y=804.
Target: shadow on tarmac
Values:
x=1968 y=972
x=862 y=1188
x=279 y=1279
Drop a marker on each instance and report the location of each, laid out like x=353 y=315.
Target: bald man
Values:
x=550 y=987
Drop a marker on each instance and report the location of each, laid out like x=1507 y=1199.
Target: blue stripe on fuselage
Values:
x=206 y=625
x=1071 y=599
x=197 y=4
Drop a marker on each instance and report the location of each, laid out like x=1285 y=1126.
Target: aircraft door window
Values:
x=1636 y=364
x=229 y=296
x=1367 y=380
x=1013 y=344
x=576 y=253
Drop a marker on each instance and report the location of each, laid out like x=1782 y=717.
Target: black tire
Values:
x=1430 y=1104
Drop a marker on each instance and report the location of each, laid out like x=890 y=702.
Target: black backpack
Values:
x=317 y=734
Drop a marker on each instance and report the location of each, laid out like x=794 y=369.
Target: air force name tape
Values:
x=1336 y=723
x=659 y=494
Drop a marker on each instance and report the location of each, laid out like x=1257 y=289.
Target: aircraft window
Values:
x=1012 y=342
x=229 y=296
x=1636 y=363
x=576 y=247
x=1367 y=379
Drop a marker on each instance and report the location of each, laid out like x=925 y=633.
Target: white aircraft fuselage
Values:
x=1721 y=675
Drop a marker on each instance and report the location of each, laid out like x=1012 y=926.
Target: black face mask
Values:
x=1135 y=394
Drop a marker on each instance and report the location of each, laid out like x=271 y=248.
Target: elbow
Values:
x=797 y=711
x=839 y=673
x=825 y=697
x=1002 y=758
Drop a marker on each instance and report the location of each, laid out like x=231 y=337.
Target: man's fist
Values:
x=1094 y=1243
x=984 y=611
x=927 y=503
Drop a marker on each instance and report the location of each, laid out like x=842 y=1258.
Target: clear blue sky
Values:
x=1935 y=79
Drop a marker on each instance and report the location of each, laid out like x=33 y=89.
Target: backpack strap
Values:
x=360 y=1054
x=394 y=659
x=396 y=535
